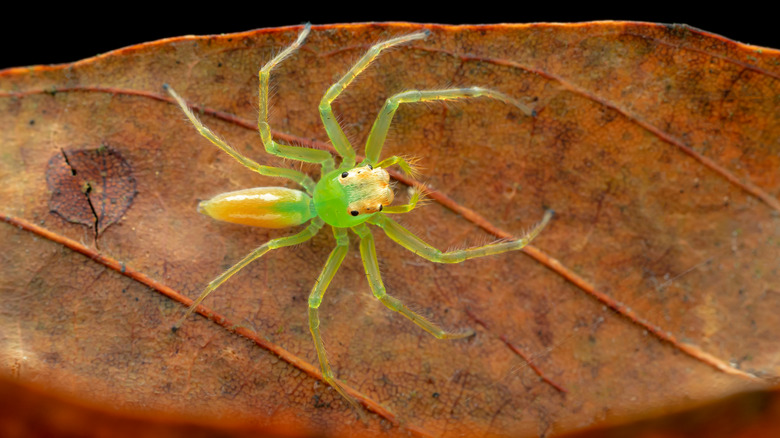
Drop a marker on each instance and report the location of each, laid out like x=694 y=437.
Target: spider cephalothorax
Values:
x=346 y=197
x=367 y=189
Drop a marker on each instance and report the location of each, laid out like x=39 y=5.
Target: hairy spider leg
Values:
x=406 y=208
x=378 y=134
x=308 y=155
x=371 y=265
x=310 y=231
x=304 y=180
x=409 y=166
x=416 y=245
x=332 y=126
x=315 y=299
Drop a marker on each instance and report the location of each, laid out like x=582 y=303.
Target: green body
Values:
x=327 y=201
x=280 y=207
x=331 y=204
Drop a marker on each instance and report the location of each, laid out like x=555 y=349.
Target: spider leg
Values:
x=409 y=166
x=298 y=177
x=309 y=232
x=413 y=243
x=308 y=155
x=378 y=134
x=368 y=254
x=332 y=127
x=405 y=208
x=315 y=299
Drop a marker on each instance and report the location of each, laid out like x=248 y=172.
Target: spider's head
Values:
x=367 y=188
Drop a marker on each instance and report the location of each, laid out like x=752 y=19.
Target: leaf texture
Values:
x=655 y=287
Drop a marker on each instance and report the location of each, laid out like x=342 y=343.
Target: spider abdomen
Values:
x=266 y=207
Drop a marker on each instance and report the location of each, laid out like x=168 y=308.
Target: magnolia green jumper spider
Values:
x=346 y=197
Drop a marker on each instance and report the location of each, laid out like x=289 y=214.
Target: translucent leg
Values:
x=294 y=175
x=293 y=152
x=295 y=239
x=406 y=208
x=413 y=243
x=335 y=133
x=378 y=134
x=315 y=299
x=409 y=166
x=368 y=254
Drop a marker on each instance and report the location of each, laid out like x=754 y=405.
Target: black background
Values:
x=51 y=36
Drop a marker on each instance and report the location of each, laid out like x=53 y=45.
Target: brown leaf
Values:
x=91 y=187
x=656 y=286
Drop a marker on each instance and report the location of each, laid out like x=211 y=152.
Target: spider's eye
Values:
x=345 y=174
x=380 y=207
x=371 y=167
x=354 y=213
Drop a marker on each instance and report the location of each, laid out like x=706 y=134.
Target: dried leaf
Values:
x=656 y=286
x=91 y=187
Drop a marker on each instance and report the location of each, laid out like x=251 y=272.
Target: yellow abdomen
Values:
x=267 y=207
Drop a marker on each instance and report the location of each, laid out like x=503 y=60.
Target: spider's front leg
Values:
x=332 y=126
x=416 y=245
x=315 y=299
x=370 y=263
x=281 y=150
x=378 y=134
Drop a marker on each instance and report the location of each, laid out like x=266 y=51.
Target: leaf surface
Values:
x=656 y=286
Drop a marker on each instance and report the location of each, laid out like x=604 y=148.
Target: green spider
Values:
x=346 y=197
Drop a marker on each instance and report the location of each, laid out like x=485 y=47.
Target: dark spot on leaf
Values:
x=318 y=403
x=92 y=187
x=52 y=359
